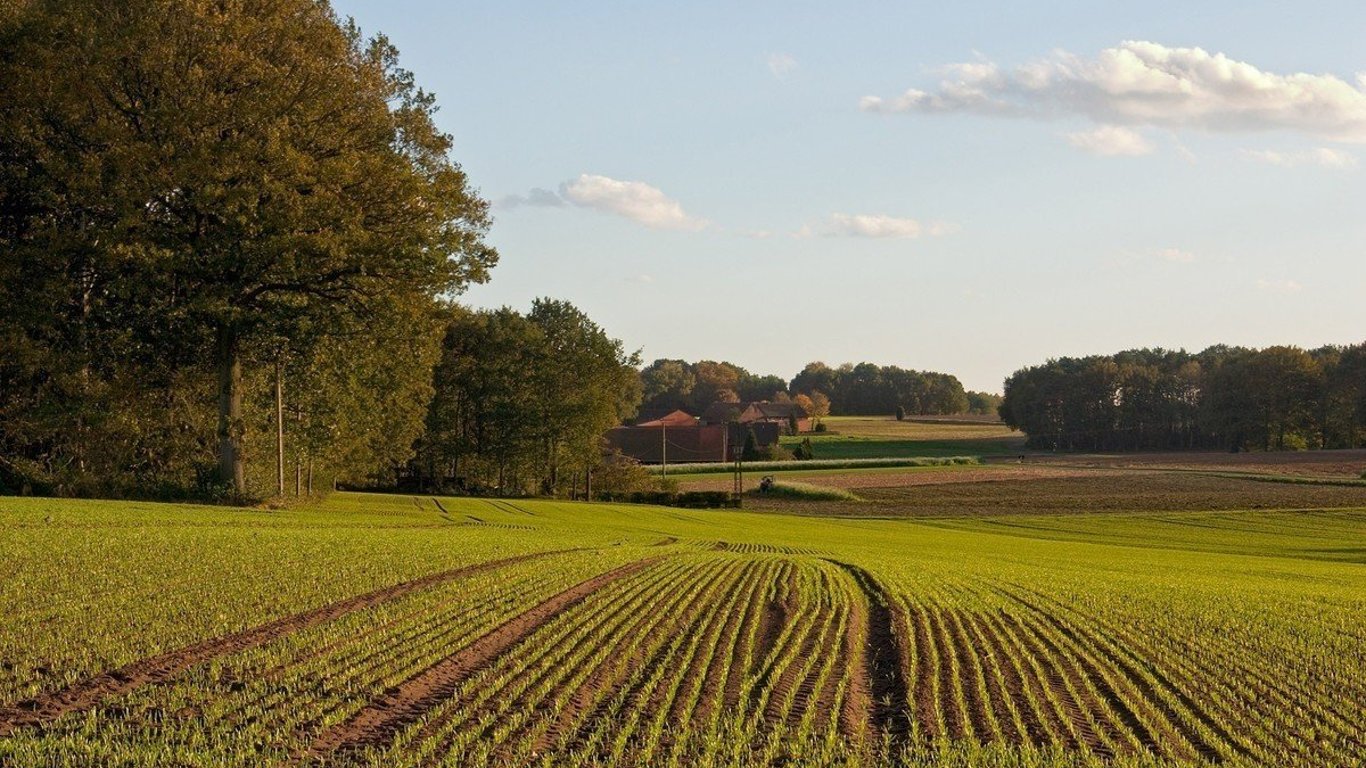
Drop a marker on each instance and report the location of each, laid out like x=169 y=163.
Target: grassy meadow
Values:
x=408 y=631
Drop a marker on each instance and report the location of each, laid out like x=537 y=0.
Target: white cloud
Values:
x=1176 y=256
x=1320 y=156
x=1111 y=141
x=781 y=64
x=634 y=200
x=876 y=226
x=1279 y=286
x=1144 y=83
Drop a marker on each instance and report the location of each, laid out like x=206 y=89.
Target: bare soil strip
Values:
x=86 y=694
x=885 y=679
x=379 y=721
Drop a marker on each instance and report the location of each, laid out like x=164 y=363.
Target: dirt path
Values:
x=379 y=721
x=86 y=694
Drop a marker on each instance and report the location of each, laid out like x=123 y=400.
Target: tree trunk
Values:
x=231 y=470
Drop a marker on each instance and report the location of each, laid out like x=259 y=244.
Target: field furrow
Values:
x=379 y=721
x=158 y=669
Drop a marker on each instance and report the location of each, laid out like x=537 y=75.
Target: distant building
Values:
x=675 y=419
x=680 y=438
x=762 y=412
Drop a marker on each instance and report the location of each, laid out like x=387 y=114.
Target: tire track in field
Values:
x=880 y=686
x=86 y=694
x=378 y=722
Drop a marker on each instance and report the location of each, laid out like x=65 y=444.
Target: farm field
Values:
x=412 y=631
x=866 y=437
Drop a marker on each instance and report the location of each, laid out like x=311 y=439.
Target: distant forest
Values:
x=1278 y=398
x=864 y=389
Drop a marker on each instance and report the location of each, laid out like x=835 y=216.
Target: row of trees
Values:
x=669 y=384
x=1231 y=398
x=866 y=389
x=205 y=206
x=521 y=401
x=853 y=390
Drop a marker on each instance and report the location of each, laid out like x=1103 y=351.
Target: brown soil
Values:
x=1341 y=463
x=1094 y=491
x=881 y=679
x=86 y=694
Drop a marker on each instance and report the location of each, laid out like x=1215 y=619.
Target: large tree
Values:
x=212 y=178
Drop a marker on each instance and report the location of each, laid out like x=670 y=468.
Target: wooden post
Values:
x=279 y=427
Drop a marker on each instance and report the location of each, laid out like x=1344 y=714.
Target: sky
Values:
x=960 y=187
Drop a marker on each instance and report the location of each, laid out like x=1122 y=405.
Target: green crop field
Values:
x=412 y=631
x=870 y=437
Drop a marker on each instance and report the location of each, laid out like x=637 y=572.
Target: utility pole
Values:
x=279 y=427
x=739 y=475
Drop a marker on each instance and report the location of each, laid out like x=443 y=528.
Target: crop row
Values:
x=264 y=704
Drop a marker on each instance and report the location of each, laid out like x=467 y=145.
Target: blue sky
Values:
x=965 y=187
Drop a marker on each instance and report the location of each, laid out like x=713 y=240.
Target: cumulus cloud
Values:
x=876 y=226
x=1148 y=84
x=780 y=65
x=1111 y=141
x=1320 y=156
x=634 y=200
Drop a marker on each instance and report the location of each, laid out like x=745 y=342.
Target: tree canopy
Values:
x=521 y=399
x=189 y=191
x=1224 y=397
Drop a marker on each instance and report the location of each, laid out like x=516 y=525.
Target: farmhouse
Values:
x=679 y=438
x=761 y=412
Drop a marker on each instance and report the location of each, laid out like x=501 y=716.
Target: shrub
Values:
x=621 y=474
x=751 y=450
x=820 y=427
x=775 y=452
x=787 y=489
x=900 y=413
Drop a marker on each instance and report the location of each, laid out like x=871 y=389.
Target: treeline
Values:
x=849 y=390
x=217 y=223
x=521 y=402
x=1230 y=398
x=669 y=384
x=866 y=389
